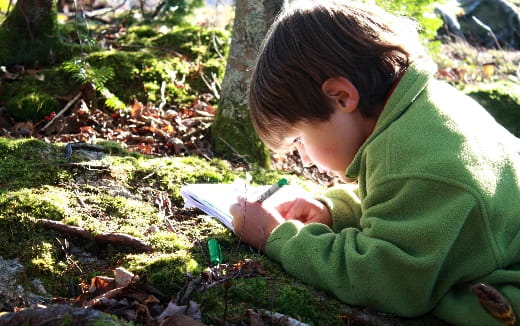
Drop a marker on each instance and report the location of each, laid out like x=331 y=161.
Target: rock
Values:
x=12 y=293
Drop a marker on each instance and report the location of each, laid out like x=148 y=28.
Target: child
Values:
x=436 y=207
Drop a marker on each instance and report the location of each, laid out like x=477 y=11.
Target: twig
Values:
x=211 y=86
x=277 y=318
x=163 y=98
x=158 y=9
x=108 y=295
x=488 y=29
x=82 y=203
x=105 y=237
x=235 y=151
x=62 y=111
x=85 y=166
x=472 y=7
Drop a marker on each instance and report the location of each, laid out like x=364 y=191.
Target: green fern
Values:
x=84 y=73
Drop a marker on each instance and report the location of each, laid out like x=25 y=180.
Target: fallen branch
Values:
x=61 y=112
x=85 y=166
x=55 y=315
x=273 y=317
x=105 y=237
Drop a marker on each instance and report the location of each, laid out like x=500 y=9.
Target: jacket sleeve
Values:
x=344 y=206
x=397 y=261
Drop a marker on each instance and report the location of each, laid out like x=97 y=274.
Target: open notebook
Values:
x=215 y=199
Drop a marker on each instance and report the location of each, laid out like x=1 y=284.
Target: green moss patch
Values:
x=502 y=100
x=29 y=162
x=34 y=106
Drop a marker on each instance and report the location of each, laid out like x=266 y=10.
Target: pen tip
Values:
x=282 y=182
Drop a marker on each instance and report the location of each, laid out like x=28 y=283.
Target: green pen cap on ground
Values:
x=215 y=254
x=282 y=182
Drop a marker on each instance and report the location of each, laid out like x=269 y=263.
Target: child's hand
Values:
x=306 y=210
x=253 y=223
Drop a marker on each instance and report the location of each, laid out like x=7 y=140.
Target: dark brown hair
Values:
x=314 y=41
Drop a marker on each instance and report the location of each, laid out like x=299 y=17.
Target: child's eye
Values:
x=297 y=140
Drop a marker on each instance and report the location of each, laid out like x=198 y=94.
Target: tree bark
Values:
x=28 y=34
x=232 y=132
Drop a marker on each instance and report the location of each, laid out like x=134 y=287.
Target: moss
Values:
x=49 y=81
x=168 y=241
x=196 y=42
x=139 y=75
x=167 y=271
x=226 y=130
x=146 y=61
x=29 y=162
x=34 y=106
x=277 y=295
x=29 y=36
x=170 y=174
x=115 y=148
x=120 y=214
x=502 y=100
x=139 y=36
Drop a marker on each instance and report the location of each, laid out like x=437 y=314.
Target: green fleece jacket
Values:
x=435 y=210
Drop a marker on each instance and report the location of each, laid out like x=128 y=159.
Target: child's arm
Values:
x=397 y=260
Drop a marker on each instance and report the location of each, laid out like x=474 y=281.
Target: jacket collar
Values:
x=411 y=84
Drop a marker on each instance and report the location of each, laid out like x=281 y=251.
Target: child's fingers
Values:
x=292 y=210
x=237 y=208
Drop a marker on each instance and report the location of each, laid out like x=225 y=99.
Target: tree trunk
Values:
x=232 y=132
x=28 y=34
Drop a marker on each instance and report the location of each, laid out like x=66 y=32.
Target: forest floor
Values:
x=60 y=208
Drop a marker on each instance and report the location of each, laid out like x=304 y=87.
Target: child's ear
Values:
x=341 y=91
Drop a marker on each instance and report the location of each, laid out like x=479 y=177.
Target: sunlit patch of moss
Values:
x=21 y=237
x=45 y=260
x=114 y=148
x=30 y=162
x=277 y=295
x=139 y=36
x=32 y=96
x=41 y=256
x=123 y=167
x=47 y=202
x=171 y=173
x=167 y=272
x=33 y=106
x=166 y=241
x=122 y=214
x=15 y=230
x=172 y=71
x=140 y=74
x=196 y=42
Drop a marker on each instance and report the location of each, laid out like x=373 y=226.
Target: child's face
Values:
x=331 y=145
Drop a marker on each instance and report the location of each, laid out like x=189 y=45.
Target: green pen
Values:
x=274 y=188
x=215 y=254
